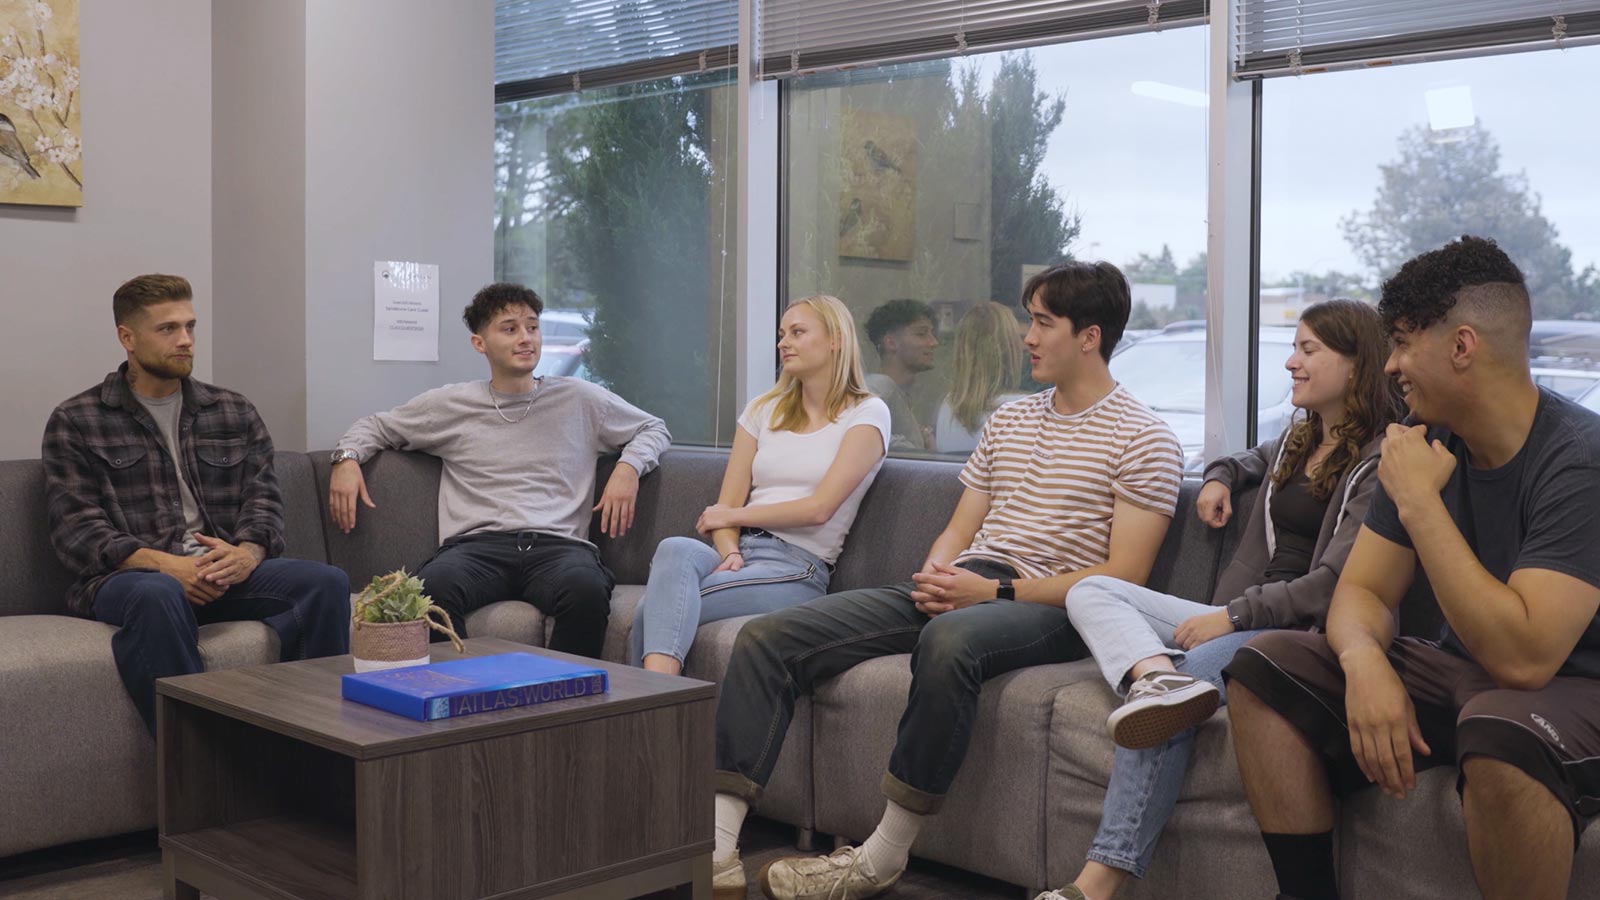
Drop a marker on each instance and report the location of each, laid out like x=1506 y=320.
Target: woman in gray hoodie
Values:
x=1167 y=653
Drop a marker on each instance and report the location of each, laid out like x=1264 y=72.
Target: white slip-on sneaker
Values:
x=1070 y=892
x=1158 y=706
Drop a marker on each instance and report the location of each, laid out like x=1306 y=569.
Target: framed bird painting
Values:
x=41 y=152
x=878 y=205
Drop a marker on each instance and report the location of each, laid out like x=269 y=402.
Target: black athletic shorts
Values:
x=1552 y=734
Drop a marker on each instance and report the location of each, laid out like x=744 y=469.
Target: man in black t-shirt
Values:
x=1496 y=498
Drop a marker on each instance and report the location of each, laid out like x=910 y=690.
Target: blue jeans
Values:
x=684 y=592
x=158 y=630
x=1124 y=623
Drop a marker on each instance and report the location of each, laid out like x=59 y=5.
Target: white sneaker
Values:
x=1070 y=892
x=1158 y=706
x=727 y=879
x=838 y=876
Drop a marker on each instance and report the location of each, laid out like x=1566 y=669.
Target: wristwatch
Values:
x=1238 y=625
x=340 y=455
x=1007 y=590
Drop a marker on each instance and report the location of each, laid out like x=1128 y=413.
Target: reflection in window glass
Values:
x=1170 y=368
x=924 y=195
x=1364 y=170
x=615 y=206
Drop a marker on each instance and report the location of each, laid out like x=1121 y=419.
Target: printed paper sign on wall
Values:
x=405 y=311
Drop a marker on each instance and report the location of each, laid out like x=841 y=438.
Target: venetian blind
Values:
x=802 y=36
x=546 y=47
x=1283 y=37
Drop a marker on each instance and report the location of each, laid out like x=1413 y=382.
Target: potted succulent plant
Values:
x=391 y=620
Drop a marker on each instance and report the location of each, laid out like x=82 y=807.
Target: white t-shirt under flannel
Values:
x=1053 y=480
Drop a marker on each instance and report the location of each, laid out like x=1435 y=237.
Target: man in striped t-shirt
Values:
x=1077 y=480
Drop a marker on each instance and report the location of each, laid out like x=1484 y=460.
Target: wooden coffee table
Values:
x=273 y=787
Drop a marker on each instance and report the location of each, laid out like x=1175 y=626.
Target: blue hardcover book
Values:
x=472 y=685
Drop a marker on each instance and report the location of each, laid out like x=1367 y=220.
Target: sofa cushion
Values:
x=32 y=580
x=902 y=512
x=1416 y=848
x=624 y=602
x=1211 y=832
x=990 y=822
x=78 y=761
x=670 y=500
x=511 y=620
x=404 y=528
x=303 y=507
x=1186 y=565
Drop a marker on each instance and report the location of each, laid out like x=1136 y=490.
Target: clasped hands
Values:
x=208 y=576
x=941 y=588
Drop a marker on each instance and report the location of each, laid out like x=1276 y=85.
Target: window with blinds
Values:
x=544 y=47
x=804 y=36
x=1291 y=37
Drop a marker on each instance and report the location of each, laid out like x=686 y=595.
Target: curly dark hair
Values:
x=495 y=298
x=893 y=316
x=1426 y=288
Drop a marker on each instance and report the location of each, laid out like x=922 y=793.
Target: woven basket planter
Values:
x=389 y=645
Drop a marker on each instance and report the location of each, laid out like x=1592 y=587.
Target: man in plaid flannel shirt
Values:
x=163 y=501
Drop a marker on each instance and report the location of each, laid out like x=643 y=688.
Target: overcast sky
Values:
x=1134 y=166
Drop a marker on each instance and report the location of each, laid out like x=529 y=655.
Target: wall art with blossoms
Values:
x=41 y=156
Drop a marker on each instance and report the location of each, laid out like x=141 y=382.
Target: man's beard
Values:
x=169 y=367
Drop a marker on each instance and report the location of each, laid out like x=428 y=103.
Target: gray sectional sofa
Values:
x=75 y=762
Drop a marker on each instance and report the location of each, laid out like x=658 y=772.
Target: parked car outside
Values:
x=565 y=326
x=1167 y=372
x=564 y=359
x=1570 y=381
x=1590 y=399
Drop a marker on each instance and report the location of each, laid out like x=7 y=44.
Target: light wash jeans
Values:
x=684 y=592
x=1123 y=623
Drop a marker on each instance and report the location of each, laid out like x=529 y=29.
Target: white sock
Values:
x=887 y=851
x=731 y=811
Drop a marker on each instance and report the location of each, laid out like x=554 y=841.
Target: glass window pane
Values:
x=1364 y=170
x=925 y=194
x=615 y=206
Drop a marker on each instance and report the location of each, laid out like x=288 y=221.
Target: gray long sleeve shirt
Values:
x=535 y=472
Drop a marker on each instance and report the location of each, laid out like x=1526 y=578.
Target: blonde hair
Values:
x=987 y=362
x=846 y=387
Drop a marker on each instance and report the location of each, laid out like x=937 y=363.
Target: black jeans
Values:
x=782 y=655
x=562 y=578
x=307 y=603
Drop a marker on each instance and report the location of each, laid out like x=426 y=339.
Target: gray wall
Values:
x=259 y=207
x=399 y=165
x=346 y=133
x=147 y=208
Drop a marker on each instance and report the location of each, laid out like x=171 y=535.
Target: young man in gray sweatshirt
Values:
x=519 y=457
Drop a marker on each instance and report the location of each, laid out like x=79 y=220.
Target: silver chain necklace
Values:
x=496 y=401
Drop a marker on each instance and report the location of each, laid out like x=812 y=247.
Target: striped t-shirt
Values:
x=1053 y=479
